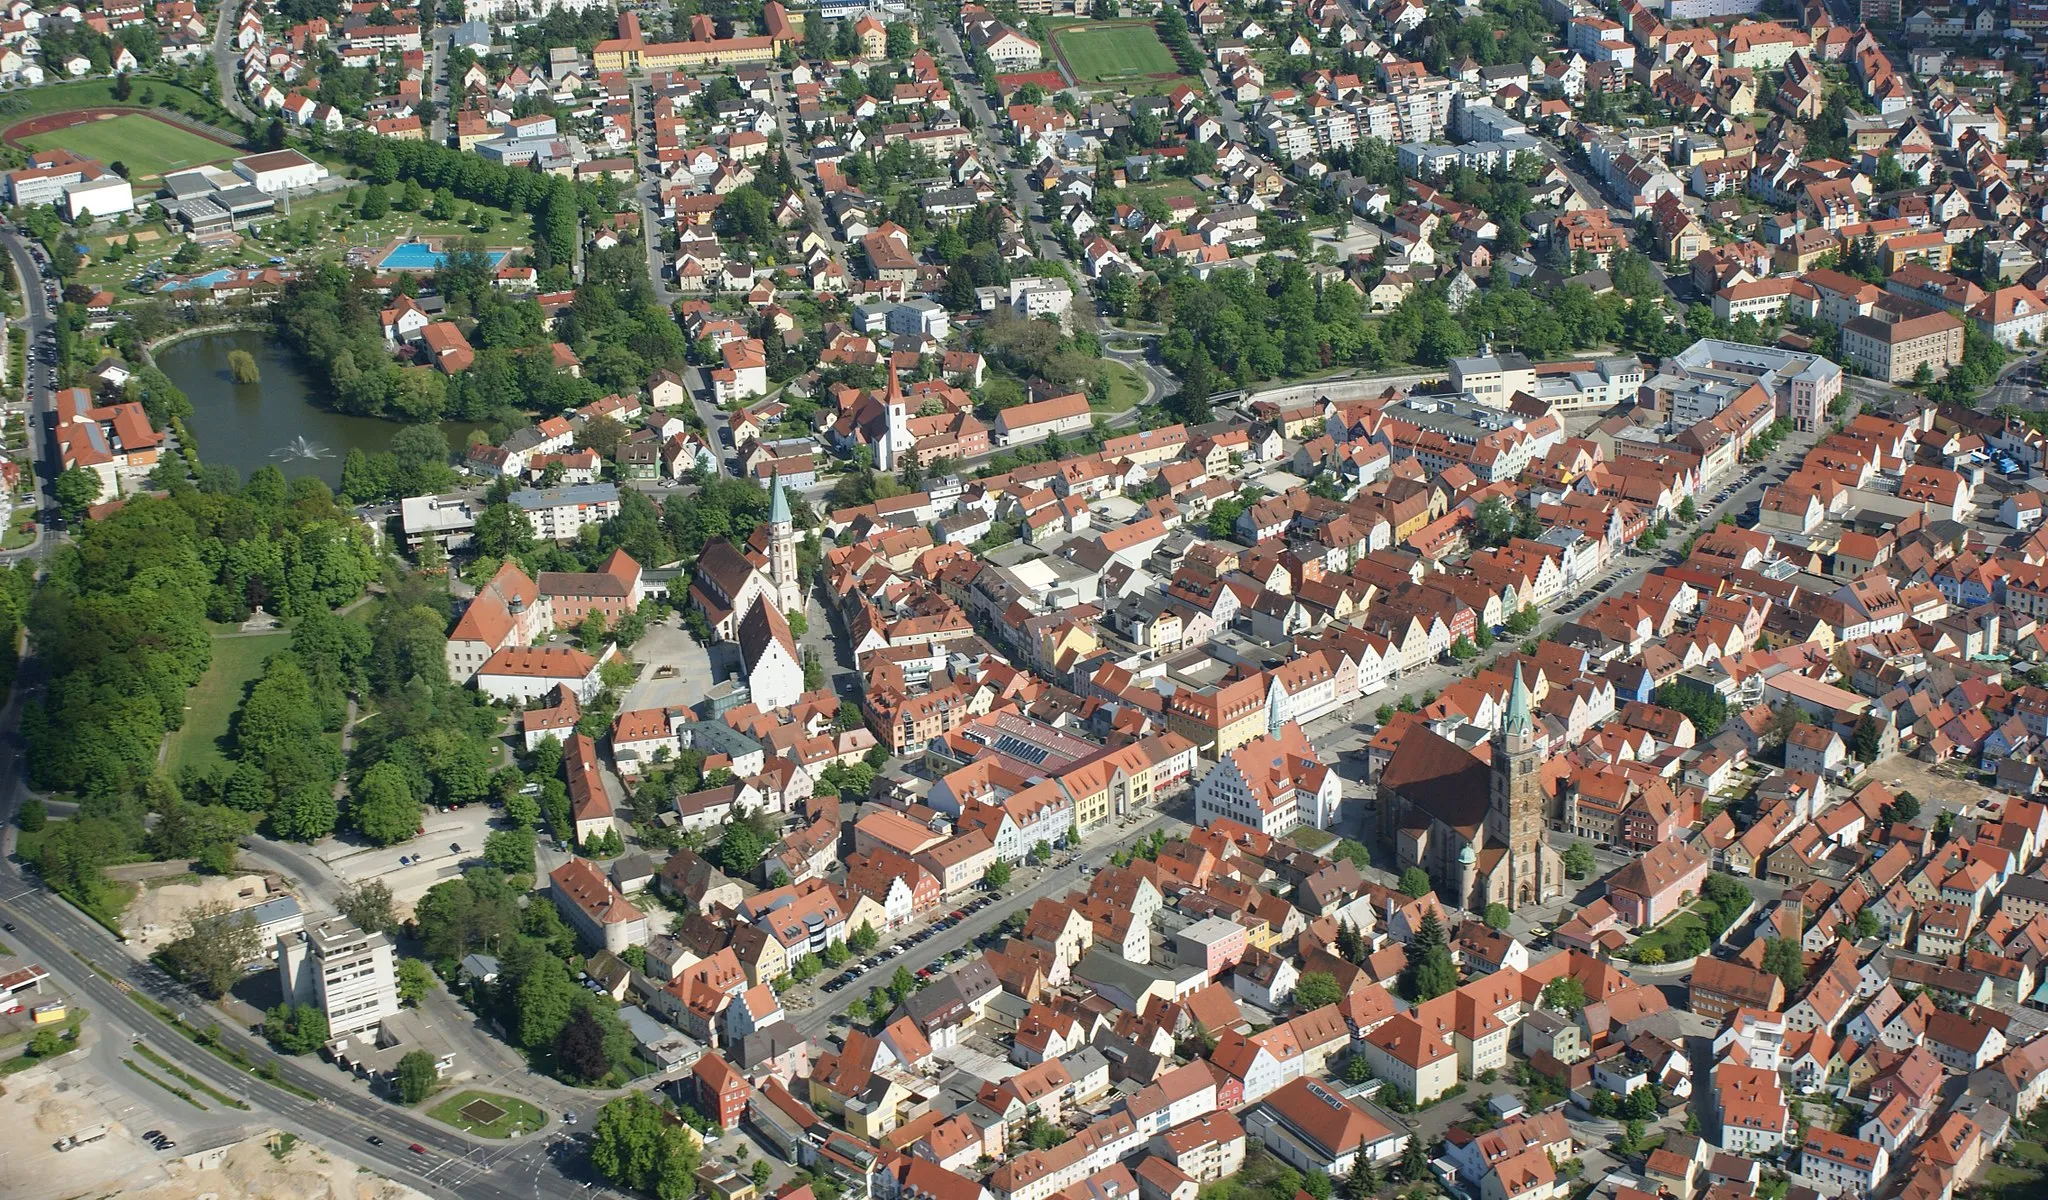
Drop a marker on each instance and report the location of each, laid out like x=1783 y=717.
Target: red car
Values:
x=416 y=1148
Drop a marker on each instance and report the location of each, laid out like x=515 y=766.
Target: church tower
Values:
x=895 y=440
x=789 y=593
x=1515 y=810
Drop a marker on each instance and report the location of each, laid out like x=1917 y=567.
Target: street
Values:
x=39 y=399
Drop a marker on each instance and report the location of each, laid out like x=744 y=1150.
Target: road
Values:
x=39 y=399
x=437 y=83
x=227 y=73
x=1038 y=884
x=87 y=962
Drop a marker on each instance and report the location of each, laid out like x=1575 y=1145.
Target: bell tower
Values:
x=789 y=593
x=1515 y=810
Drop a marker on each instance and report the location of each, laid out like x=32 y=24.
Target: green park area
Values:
x=211 y=704
x=148 y=91
x=147 y=147
x=1114 y=52
x=488 y=1114
x=1126 y=388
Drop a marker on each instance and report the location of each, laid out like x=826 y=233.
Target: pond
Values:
x=275 y=421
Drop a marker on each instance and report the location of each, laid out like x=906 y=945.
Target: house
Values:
x=1651 y=888
x=1308 y=1125
x=595 y=909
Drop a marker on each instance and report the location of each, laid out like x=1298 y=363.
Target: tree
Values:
x=1708 y=710
x=1497 y=916
x=385 y=809
x=414 y=982
x=1493 y=523
x=47 y=1043
x=634 y=1147
x=1903 y=810
x=1315 y=989
x=77 y=489
x=998 y=874
x=416 y=1076
x=1564 y=994
x=1415 y=882
x=368 y=904
x=864 y=939
x=1867 y=925
x=1641 y=1104
x=1578 y=860
x=510 y=850
x=32 y=815
x=1430 y=972
x=1867 y=741
x=296 y=1028
x=740 y=849
x=902 y=984
x=579 y=1048
x=1782 y=958
x=210 y=953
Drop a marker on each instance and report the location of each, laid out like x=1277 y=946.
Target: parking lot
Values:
x=452 y=841
x=905 y=949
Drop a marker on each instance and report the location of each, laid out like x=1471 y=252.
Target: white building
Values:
x=90 y=199
x=559 y=514
x=348 y=973
x=280 y=171
x=1272 y=784
x=523 y=674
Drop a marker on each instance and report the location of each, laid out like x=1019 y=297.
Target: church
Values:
x=743 y=592
x=1477 y=828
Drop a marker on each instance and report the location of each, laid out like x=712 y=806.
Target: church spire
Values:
x=778 y=504
x=1519 y=723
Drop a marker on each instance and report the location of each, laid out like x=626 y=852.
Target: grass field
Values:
x=1670 y=936
x=91 y=93
x=148 y=147
x=1102 y=52
x=1126 y=387
x=212 y=702
x=513 y=1115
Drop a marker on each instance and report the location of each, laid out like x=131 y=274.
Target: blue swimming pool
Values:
x=418 y=256
x=200 y=281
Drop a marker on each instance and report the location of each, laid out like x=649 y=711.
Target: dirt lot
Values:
x=1949 y=787
x=157 y=912
x=48 y=1107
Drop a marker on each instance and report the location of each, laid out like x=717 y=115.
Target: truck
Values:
x=91 y=1133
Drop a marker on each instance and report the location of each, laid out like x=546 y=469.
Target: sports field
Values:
x=1101 y=52
x=146 y=146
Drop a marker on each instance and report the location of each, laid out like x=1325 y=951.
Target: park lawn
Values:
x=212 y=702
x=519 y=1116
x=1103 y=52
x=149 y=148
x=99 y=93
x=1670 y=936
x=331 y=235
x=2011 y=1183
x=1126 y=388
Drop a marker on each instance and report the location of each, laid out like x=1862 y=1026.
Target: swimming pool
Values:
x=199 y=281
x=419 y=256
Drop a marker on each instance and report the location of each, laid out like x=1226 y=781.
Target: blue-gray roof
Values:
x=575 y=493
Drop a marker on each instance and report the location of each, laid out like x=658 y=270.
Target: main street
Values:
x=1038 y=883
x=39 y=407
x=226 y=70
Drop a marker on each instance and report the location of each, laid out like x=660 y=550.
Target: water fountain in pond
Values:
x=301 y=447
